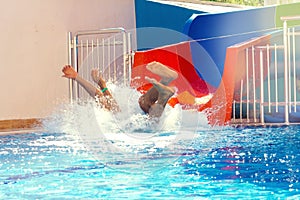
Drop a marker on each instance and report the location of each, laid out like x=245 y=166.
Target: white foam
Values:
x=130 y=131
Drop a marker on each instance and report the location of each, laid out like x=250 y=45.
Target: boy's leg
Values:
x=151 y=96
x=93 y=91
x=148 y=99
x=164 y=94
x=97 y=78
x=69 y=72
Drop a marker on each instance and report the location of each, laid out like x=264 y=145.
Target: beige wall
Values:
x=34 y=48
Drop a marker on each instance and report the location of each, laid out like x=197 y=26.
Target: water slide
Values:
x=208 y=63
x=178 y=57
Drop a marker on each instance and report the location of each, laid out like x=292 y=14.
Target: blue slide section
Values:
x=160 y=24
x=215 y=32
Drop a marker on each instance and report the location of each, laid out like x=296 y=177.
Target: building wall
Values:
x=34 y=48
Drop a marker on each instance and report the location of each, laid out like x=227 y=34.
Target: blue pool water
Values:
x=228 y=163
x=85 y=152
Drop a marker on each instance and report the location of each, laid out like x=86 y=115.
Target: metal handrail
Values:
x=74 y=46
x=265 y=99
x=286 y=44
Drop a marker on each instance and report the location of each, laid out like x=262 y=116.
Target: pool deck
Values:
x=19 y=126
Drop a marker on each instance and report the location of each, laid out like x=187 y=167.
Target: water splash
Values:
x=128 y=135
x=86 y=116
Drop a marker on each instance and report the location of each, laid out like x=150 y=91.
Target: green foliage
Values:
x=242 y=2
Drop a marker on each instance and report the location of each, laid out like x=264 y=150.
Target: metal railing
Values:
x=109 y=50
x=269 y=93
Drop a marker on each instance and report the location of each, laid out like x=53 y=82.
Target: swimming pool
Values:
x=84 y=152
x=249 y=163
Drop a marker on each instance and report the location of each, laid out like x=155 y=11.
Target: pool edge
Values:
x=19 y=126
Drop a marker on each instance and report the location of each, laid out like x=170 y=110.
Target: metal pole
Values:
x=101 y=31
x=286 y=89
x=276 y=78
x=115 y=60
x=71 y=83
x=295 y=72
x=125 y=58
x=253 y=80
x=247 y=83
x=233 y=111
x=241 y=100
x=93 y=61
x=98 y=55
x=262 y=118
x=108 y=59
x=75 y=57
x=269 y=81
x=87 y=61
x=103 y=55
x=130 y=57
x=289 y=69
x=80 y=61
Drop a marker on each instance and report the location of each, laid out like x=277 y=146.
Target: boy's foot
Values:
x=164 y=92
x=167 y=75
x=69 y=72
x=97 y=78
